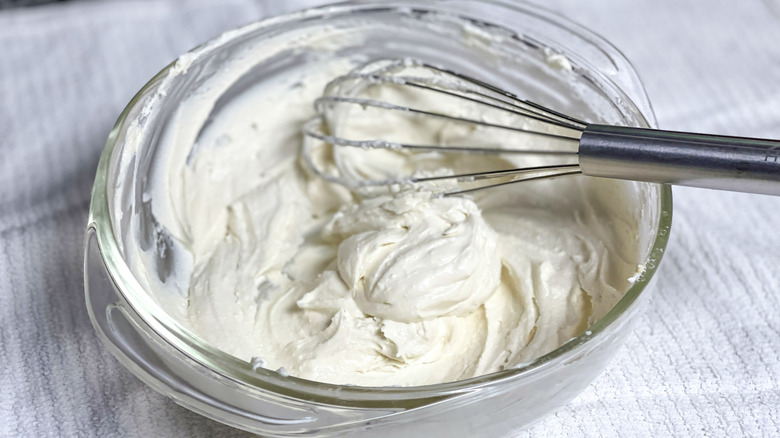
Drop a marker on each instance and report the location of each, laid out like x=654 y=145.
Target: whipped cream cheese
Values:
x=376 y=286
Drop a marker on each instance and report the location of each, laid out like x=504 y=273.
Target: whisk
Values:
x=577 y=147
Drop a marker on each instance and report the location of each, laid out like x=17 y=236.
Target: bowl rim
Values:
x=241 y=372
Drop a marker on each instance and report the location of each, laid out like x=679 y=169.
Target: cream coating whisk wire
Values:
x=729 y=163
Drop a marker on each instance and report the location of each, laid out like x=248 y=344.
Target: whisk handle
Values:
x=699 y=160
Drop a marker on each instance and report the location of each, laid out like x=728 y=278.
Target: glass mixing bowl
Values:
x=175 y=362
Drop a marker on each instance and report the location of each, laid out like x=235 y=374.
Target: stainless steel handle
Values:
x=698 y=160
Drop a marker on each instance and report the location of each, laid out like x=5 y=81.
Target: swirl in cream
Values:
x=415 y=257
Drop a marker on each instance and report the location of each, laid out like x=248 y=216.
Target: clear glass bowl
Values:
x=178 y=364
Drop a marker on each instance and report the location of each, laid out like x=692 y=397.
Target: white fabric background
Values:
x=704 y=360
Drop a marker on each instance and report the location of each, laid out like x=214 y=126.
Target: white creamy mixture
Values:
x=388 y=286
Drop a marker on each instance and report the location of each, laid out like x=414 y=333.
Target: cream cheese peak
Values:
x=413 y=257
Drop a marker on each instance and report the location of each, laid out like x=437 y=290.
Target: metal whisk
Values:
x=699 y=160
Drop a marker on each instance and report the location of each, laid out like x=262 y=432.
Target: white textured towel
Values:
x=703 y=361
